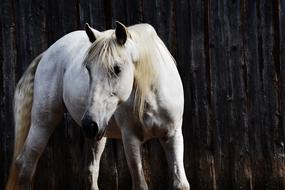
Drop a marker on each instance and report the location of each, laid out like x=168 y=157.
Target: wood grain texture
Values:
x=231 y=58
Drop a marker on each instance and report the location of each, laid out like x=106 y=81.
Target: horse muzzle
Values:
x=89 y=127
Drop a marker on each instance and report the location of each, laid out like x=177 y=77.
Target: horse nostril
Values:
x=90 y=128
x=94 y=125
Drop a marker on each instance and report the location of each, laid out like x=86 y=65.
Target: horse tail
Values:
x=23 y=100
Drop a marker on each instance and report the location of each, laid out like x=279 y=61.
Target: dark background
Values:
x=231 y=57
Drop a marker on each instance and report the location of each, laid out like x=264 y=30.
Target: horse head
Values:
x=110 y=64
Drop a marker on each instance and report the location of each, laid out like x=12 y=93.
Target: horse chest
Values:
x=153 y=125
x=156 y=121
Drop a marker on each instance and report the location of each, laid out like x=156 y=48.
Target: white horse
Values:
x=120 y=83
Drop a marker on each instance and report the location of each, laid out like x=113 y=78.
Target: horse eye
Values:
x=88 y=68
x=117 y=70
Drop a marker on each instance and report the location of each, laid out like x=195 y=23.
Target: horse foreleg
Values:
x=94 y=167
x=173 y=147
x=42 y=127
x=132 y=147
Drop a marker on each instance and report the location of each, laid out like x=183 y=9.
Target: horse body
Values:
x=161 y=102
x=66 y=80
x=113 y=87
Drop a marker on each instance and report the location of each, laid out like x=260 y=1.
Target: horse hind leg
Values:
x=43 y=124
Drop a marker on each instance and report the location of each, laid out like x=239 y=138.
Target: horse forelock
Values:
x=151 y=52
x=105 y=52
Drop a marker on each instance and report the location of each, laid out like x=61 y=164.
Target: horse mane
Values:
x=151 y=50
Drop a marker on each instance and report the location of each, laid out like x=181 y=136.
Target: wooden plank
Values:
x=282 y=66
x=99 y=17
x=38 y=28
x=220 y=100
x=128 y=12
x=160 y=15
x=183 y=56
x=54 y=21
x=124 y=176
x=278 y=135
x=282 y=78
x=134 y=11
x=253 y=85
x=270 y=96
x=201 y=124
x=23 y=44
x=155 y=166
x=7 y=76
x=266 y=60
x=108 y=176
x=238 y=125
x=119 y=12
x=69 y=16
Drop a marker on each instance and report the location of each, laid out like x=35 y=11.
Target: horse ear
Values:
x=121 y=33
x=91 y=33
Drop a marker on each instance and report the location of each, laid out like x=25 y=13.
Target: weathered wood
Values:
x=8 y=57
x=282 y=67
x=230 y=55
x=252 y=84
x=183 y=56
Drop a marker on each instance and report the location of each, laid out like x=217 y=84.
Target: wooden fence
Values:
x=231 y=57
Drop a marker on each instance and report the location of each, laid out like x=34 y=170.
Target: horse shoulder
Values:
x=57 y=61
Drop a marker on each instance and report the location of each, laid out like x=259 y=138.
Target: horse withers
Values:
x=120 y=83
